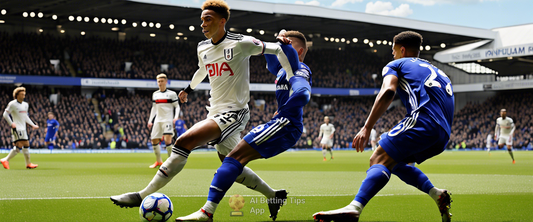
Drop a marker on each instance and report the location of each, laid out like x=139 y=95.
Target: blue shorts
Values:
x=274 y=137
x=179 y=133
x=415 y=139
x=49 y=138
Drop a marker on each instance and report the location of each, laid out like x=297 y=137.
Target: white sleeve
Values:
x=7 y=118
x=496 y=131
x=333 y=129
x=199 y=75
x=513 y=127
x=321 y=132
x=28 y=120
x=176 y=104
x=153 y=111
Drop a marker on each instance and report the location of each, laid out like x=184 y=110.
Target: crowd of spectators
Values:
x=118 y=118
x=98 y=57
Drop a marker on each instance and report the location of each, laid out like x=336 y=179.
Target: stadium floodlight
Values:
x=110 y=20
x=79 y=18
x=232 y=29
x=32 y=14
x=184 y=38
x=102 y=20
x=41 y=30
x=390 y=43
x=261 y=32
x=180 y=33
x=348 y=42
x=86 y=19
x=115 y=21
x=340 y=48
x=343 y=40
x=371 y=44
x=510 y=57
x=2 y=21
x=71 y=18
x=62 y=31
x=54 y=17
x=151 y=24
x=152 y=35
x=115 y=29
x=158 y=25
x=4 y=11
x=442 y=45
x=191 y=28
x=134 y=24
x=354 y=40
x=326 y=39
x=337 y=40
x=384 y=42
x=332 y=39
x=421 y=48
x=171 y=26
x=177 y=38
x=82 y=33
x=249 y=30
x=378 y=42
x=144 y=24
x=25 y=14
x=428 y=47
x=124 y=21
x=40 y=14
x=366 y=41
x=95 y=19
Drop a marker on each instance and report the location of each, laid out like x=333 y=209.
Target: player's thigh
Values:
x=244 y=153
x=380 y=156
x=22 y=143
x=168 y=139
x=199 y=134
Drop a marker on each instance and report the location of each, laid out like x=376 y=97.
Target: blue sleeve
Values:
x=57 y=123
x=390 y=69
x=292 y=56
x=273 y=64
x=301 y=92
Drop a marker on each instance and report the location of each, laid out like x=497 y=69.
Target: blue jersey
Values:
x=52 y=126
x=294 y=93
x=180 y=126
x=423 y=87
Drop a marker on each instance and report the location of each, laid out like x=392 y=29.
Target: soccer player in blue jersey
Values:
x=51 y=130
x=180 y=127
x=293 y=92
x=427 y=94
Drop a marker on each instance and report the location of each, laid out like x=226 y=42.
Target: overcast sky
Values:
x=485 y=14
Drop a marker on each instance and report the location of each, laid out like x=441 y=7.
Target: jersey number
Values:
x=216 y=70
x=431 y=82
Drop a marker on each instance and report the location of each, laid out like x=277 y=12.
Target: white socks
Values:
x=26 y=152
x=251 y=180
x=435 y=193
x=157 y=151
x=324 y=153
x=210 y=207
x=355 y=205
x=169 y=150
x=170 y=168
x=11 y=154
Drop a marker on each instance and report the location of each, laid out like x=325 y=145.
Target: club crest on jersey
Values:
x=228 y=54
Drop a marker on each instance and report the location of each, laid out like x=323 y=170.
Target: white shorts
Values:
x=19 y=134
x=327 y=141
x=506 y=140
x=162 y=128
x=231 y=125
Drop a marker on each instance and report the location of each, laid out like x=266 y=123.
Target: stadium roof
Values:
x=316 y=22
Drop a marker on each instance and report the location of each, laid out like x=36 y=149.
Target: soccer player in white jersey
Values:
x=373 y=139
x=325 y=136
x=224 y=58
x=165 y=111
x=16 y=115
x=489 y=142
x=504 y=132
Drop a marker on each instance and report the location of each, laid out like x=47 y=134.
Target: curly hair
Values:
x=17 y=91
x=219 y=6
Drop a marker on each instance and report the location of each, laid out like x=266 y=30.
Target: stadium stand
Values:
x=106 y=58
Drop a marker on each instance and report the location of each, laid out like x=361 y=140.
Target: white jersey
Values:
x=165 y=106
x=506 y=126
x=228 y=66
x=326 y=130
x=19 y=114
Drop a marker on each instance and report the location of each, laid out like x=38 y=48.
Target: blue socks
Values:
x=51 y=146
x=224 y=178
x=413 y=176
x=377 y=176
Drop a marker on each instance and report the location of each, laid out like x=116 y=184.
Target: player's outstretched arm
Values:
x=153 y=112
x=28 y=120
x=383 y=101
x=8 y=119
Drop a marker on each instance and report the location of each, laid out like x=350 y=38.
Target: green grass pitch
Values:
x=76 y=187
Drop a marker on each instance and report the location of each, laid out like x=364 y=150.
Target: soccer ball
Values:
x=236 y=202
x=156 y=207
